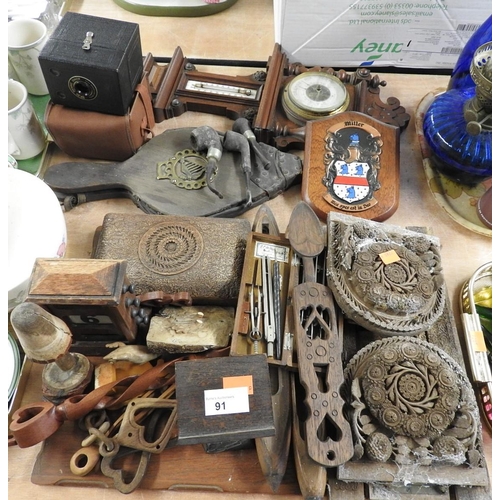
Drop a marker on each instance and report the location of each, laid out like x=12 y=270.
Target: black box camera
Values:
x=93 y=63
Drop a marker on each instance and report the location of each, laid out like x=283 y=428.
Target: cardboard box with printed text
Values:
x=351 y=33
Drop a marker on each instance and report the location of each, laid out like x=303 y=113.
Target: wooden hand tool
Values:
x=311 y=475
x=319 y=357
x=273 y=451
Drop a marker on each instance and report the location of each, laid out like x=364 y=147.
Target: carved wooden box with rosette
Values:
x=199 y=255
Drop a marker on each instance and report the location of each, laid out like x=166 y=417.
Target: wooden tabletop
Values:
x=245 y=31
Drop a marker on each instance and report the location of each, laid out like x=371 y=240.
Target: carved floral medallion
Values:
x=410 y=402
x=385 y=278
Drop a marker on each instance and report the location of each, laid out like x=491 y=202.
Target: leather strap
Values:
x=33 y=423
x=143 y=90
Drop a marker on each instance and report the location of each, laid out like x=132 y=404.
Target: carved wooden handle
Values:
x=319 y=350
x=33 y=423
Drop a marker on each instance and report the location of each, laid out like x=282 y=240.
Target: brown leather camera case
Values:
x=89 y=134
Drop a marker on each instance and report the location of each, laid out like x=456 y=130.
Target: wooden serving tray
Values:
x=238 y=470
x=178 y=468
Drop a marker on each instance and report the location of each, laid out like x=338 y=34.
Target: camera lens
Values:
x=82 y=88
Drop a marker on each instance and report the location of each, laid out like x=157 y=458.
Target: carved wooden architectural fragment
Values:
x=413 y=415
x=385 y=278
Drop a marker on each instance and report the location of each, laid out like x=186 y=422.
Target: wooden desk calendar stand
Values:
x=92 y=296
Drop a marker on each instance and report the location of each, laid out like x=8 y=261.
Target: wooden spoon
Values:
x=306 y=236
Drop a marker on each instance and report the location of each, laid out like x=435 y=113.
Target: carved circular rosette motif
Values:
x=406 y=388
x=414 y=391
x=388 y=282
x=402 y=287
x=449 y=449
x=402 y=382
x=170 y=249
x=378 y=447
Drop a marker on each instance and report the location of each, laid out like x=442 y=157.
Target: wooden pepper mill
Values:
x=45 y=338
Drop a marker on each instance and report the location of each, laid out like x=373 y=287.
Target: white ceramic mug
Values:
x=26 y=38
x=26 y=136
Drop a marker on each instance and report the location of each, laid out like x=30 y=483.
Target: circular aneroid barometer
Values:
x=313 y=95
x=275 y=100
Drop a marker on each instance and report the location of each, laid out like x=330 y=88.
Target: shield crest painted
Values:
x=351 y=165
x=351 y=183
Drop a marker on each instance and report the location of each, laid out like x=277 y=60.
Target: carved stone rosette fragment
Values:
x=411 y=403
x=385 y=278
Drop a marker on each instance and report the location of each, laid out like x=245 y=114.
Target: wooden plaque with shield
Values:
x=351 y=165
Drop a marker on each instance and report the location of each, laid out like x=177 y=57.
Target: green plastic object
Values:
x=175 y=8
x=33 y=165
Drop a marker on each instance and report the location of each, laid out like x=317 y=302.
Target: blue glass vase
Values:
x=460 y=76
x=458 y=125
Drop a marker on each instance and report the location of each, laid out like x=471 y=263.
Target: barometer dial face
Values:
x=314 y=94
